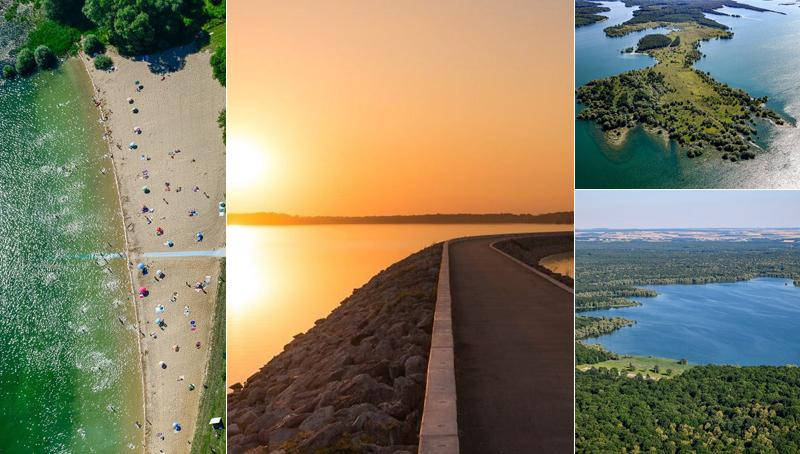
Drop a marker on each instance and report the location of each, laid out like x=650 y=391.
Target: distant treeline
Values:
x=609 y=273
x=499 y=218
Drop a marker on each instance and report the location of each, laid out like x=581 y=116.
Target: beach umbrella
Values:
x=133 y=146
x=199 y=236
x=159 y=231
x=159 y=308
x=160 y=274
x=162 y=364
x=175 y=347
x=169 y=243
x=135 y=110
x=136 y=82
x=141 y=266
x=176 y=427
x=159 y=321
x=145 y=189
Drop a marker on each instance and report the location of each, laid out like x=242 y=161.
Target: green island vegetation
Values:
x=103 y=62
x=628 y=403
x=704 y=409
x=221 y=124
x=588 y=12
x=134 y=27
x=208 y=439
x=672 y=99
x=654 y=41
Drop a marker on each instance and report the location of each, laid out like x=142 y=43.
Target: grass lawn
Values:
x=644 y=365
x=212 y=402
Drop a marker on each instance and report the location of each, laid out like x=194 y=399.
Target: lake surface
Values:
x=69 y=375
x=762 y=58
x=283 y=278
x=563 y=264
x=745 y=323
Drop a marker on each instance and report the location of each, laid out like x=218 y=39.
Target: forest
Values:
x=588 y=12
x=665 y=12
x=609 y=273
x=705 y=409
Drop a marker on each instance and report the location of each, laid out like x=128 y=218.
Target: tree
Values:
x=45 y=58
x=9 y=72
x=26 y=64
x=65 y=11
x=218 y=64
x=103 y=62
x=92 y=45
x=144 y=26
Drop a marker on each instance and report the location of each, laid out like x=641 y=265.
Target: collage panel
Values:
x=112 y=226
x=687 y=306
x=686 y=94
x=400 y=239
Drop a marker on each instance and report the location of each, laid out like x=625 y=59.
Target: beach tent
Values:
x=216 y=423
x=159 y=274
x=175 y=347
x=199 y=236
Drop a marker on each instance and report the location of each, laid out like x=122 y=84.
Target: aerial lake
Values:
x=762 y=58
x=745 y=323
x=69 y=369
x=283 y=278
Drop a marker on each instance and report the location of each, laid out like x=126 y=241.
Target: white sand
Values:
x=177 y=111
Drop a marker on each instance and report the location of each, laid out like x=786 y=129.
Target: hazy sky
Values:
x=355 y=107
x=686 y=208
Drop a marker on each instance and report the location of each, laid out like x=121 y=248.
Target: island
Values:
x=587 y=13
x=672 y=99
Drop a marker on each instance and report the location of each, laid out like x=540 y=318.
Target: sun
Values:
x=247 y=163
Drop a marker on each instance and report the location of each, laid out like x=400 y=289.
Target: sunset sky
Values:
x=400 y=107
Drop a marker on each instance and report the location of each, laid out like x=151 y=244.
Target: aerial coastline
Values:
x=168 y=160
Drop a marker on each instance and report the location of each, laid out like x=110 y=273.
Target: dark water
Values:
x=746 y=323
x=69 y=375
x=762 y=58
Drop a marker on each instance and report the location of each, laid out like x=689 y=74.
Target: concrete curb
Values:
x=438 y=432
x=530 y=268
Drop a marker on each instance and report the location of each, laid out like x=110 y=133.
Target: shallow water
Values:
x=762 y=58
x=282 y=279
x=69 y=370
x=745 y=323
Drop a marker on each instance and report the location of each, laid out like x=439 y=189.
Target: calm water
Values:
x=563 y=264
x=282 y=279
x=761 y=58
x=745 y=323
x=69 y=376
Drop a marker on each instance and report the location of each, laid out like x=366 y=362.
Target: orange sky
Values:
x=361 y=107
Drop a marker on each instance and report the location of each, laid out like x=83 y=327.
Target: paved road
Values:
x=513 y=355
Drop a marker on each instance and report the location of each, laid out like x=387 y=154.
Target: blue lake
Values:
x=749 y=323
x=762 y=58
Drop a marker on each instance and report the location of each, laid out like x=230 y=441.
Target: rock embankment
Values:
x=355 y=382
x=531 y=249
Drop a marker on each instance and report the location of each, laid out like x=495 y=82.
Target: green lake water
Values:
x=762 y=58
x=69 y=371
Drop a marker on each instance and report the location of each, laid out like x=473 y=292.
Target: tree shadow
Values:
x=170 y=60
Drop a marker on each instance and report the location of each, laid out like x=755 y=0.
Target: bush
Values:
x=9 y=72
x=103 y=62
x=653 y=41
x=59 y=38
x=92 y=45
x=26 y=64
x=218 y=65
x=44 y=57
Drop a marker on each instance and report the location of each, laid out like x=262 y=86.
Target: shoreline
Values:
x=169 y=365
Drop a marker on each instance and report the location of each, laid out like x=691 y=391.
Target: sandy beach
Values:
x=169 y=162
